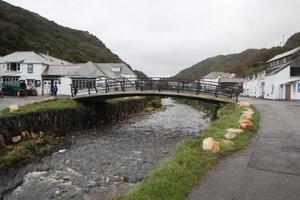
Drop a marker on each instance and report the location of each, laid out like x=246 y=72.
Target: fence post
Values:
x=216 y=91
x=141 y=85
x=123 y=85
x=182 y=86
x=198 y=87
x=159 y=85
x=106 y=86
x=177 y=86
x=72 y=93
x=151 y=84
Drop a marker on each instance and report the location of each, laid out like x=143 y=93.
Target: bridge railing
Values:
x=158 y=84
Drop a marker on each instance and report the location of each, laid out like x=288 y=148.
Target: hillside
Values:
x=24 y=30
x=243 y=64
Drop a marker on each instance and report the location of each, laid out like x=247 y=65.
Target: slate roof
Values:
x=231 y=80
x=285 y=54
x=214 y=75
x=72 y=71
x=88 y=70
x=32 y=57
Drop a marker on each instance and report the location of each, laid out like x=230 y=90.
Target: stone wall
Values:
x=67 y=120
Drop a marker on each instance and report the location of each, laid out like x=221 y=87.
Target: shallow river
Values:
x=105 y=162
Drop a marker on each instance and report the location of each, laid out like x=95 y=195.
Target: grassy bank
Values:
x=43 y=105
x=28 y=150
x=178 y=175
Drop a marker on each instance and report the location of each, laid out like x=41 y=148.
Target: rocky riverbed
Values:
x=103 y=163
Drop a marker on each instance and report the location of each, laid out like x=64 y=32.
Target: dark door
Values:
x=287 y=92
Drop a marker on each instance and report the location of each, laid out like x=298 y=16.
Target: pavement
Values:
x=10 y=100
x=269 y=168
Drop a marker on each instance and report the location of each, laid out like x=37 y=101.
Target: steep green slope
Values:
x=243 y=64
x=23 y=30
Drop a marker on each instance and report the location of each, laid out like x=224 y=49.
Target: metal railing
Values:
x=157 y=84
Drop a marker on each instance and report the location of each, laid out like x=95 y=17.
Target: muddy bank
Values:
x=106 y=161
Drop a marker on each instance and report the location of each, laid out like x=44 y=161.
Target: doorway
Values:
x=287 y=92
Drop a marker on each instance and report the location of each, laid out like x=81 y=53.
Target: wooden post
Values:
x=159 y=85
x=123 y=88
x=72 y=93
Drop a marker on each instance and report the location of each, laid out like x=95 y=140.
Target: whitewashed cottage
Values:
x=280 y=80
x=41 y=72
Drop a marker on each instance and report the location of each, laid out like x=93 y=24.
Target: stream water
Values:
x=106 y=162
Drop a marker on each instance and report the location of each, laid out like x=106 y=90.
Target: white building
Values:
x=215 y=77
x=280 y=80
x=41 y=72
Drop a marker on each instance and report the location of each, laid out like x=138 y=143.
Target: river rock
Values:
x=42 y=134
x=237 y=131
x=14 y=108
x=230 y=135
x=209 y=144
x=227 y=142
x=68 y=162
x=34 y=135
x=16 y=139
x=26 y=135
x=243 y=104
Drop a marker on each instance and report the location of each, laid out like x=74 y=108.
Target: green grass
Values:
x=178 y=175
x=27 y=150
x=44 y=105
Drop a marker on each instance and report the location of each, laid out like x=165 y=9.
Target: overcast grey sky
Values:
x=162 y=37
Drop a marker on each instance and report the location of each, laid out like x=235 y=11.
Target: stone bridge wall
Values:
x=67 y=120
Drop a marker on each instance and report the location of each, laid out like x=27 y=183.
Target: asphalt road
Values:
x=269 y=169
x=6 y=101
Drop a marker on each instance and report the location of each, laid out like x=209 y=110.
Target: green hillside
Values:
x=23 y=30
x=242 y=64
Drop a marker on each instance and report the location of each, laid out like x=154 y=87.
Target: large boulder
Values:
x=246 y=117
x=14 y=108
x=209 y=144
x=245 y=124
x=227 y=142
x=243 y=104
x=236 y=131
x=230 y=135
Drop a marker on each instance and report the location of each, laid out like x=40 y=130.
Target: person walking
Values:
x=54 y=89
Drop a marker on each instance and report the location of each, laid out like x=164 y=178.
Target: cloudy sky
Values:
x=162 y=37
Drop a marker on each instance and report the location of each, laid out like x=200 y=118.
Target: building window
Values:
x=30 y=68
x=84 y=83
x=116 y=69
x=37 y=83
x=295 y=71
x=13 y=66
x=30 y=83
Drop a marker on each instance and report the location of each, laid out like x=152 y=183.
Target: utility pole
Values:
x=283 y=39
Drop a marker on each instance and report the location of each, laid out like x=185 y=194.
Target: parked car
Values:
x=14 y=88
